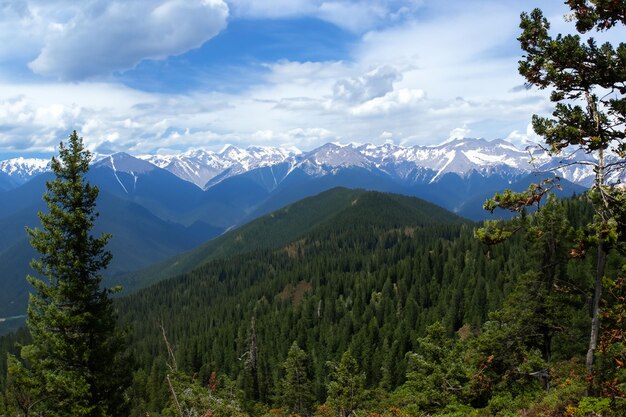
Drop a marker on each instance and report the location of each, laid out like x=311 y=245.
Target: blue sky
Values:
x=148 y=76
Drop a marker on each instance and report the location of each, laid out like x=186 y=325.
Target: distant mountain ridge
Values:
x=19 y=170
x=407 y=165
x=335 y=209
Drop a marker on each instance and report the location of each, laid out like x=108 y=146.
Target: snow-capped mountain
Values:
x=578 y=167
x=405 y=165
x=461 y=157
x=415 y=164
x=22 y=169
x=201 y=166
x=331 y=157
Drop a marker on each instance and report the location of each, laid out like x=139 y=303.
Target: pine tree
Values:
x=429 y=374
x=76 y=353
x=297 y=391
x=588 y=83
x=346 y=389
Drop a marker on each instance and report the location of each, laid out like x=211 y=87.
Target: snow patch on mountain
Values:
x=124 y=162
x=22 y=169
x=207 y=168
x=405 y=164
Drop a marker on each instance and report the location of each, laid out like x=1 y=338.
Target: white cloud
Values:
x=304 y=138
x=392 y=101
x=79 y=40
x=386 y=136
x=20 y=31
x=459 y=133
x=372 y=84
x=419 y=81
x=354 y=17
x=272 y=9
x=529 y=137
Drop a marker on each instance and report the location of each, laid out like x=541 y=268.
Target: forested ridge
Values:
x=284 y=225
x=377 y=287
x=349 y=284
x=359 y=282
x=366 y=284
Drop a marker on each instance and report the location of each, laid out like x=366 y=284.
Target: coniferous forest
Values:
x=384 y=305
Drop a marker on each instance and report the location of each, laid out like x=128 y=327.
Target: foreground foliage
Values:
x=73 y=365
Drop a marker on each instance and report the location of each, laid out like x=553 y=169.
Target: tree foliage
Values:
x=588 y=87
x=346 y=389
x=436 y=375
x=296 y=388
x=74 y=364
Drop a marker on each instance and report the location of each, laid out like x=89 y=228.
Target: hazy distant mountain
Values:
x=6 y=182
x=404 y=165
x=226 y=188
x=139 y=239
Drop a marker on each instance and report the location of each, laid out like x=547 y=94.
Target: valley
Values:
x=155 y=213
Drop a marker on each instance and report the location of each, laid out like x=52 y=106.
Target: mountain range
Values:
x=160 y=206
x=405 y=164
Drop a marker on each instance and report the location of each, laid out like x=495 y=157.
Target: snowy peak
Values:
x=333 y=155
x=203 y=167
x=404 y=164
x=380 y=153
x=23 y=169
x=256 y=156
x=482 y=153
x=123 y=162
x=460 y=156
x=195 y=166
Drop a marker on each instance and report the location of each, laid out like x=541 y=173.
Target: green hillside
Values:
x=339 y=206
x=355 y=271
x=368 y=276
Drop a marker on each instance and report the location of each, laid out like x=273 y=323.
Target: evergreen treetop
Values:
x=74 y=358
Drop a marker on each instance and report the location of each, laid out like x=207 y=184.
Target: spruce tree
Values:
x=346 y=389
x=297 y=392
x=75 y=359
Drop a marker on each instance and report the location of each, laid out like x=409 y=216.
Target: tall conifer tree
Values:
x=296 y=390
x=346 y=388
x=75 y=358
x=588 y=83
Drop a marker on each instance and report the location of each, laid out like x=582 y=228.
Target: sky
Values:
x=167 y=76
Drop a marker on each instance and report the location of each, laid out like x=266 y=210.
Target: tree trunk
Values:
x=595 y=321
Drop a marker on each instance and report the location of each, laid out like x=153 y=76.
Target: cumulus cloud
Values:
x=372 y=84
x=20 y=31
x=419 y=81
x=527 y=138
x=301 y=138
x=99 y=37
x=393 y=101
x=354 y=17
x=24 y=126
x=459 y=133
